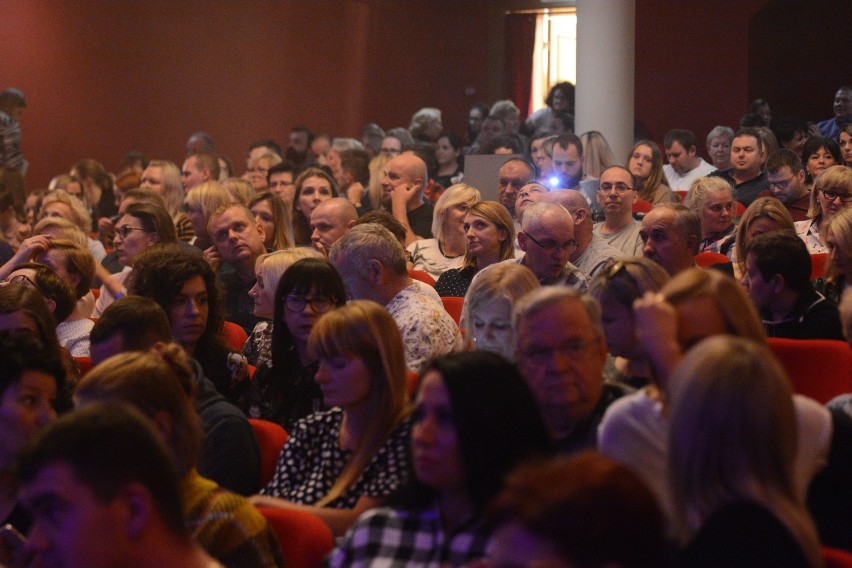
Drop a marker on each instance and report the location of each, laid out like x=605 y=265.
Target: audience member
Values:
x=713 y=201
x=426 y=125
x=298 y=147
x=615 y=196
x=514 y=174
x=719 y=147
x=845 y=143
x=372 y=264
x=818 y=154
x=285 y=391
x=560 y=98
x=330 y=221
x=164 y=177
x=199 y=167
x=448 y=152
x=12 y=106
x=777 y=277
x=684 y=164
x=474 y=422
x=791 y=133
x=671 y=235
x=58 y=203
x=159 y=384
x=838 y=268
x=270 y=213
x=281 y=180
x=583 y=510
x=832 y=192
x=490 y=236
x=313 y=186
x=229 y=451
x=561 y=351
x=597 y=155
x=258 y=170
x=842 y=112
x=403 y=183
x=98 y=189
x=487 y=313
x=475 y=118
x=786 y=179
x=764 y=215
x=745 y=174
x=592 y=251
x=201 y=201
x=645 y=162
x=447 y=248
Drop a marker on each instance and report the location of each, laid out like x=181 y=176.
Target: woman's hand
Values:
x=656 y=333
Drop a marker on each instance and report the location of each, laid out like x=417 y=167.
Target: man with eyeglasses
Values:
x=547 y=238
x=561 y=352
x=786 y=179
x=616 y=195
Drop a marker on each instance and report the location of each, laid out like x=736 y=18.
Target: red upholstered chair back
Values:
x=818 y=368
x=642 y=206
x=234 y=336
x=818 y=261
x=422 y=276
x=836 y=558
x=304 y=538
x=453 y=305
x=85 y=364
x=271 y=438
x=739 y=209
x=709 y=258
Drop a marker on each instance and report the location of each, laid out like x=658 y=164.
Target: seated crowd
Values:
x=583 y=371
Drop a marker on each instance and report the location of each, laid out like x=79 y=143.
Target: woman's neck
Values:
x=448 y=169
x=487 y=260
x=455 y=507
x=305 y=358
x=352 y=426
x=453 y=245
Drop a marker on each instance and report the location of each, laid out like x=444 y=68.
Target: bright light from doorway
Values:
x=555 y=54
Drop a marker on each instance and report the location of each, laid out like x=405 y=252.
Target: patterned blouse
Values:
x=312 y=460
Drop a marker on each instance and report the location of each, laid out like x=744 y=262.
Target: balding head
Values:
x=514 y=174
x=402 y=172
x=330 y=221
x=533 y=192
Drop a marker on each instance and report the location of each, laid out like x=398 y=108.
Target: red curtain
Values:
x=520 y=43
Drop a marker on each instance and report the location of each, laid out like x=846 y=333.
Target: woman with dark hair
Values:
x=845 y=142
x=475 y=420
x=142 y=226
x=818 y=155
x=287 y=391
x=271 y=213
x=185 y=286
x=98 y=189
x=448 y=153
x=761 y=108
x=313 y=186
x=560 y=98
x=475 y=118
x=31 y=377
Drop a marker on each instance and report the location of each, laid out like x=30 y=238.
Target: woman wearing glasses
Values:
x=340 y=462
x=490 y=234
x=831 y=193
x=142 y=226
x=286 y=390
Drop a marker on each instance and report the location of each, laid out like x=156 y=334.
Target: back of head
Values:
x=206 y=161
x=841 y=230
x=592 y=511
x=271 y=266
x=144 y=195
x=783 y=157
x=14 y=298
x=54 y=289
x=386 y=220
x=12 y=99
x=498 y=422
x=154 y=219
x=370 y=241
x=356 y=163
x=118 y=435
x=153 y=383
x=730 y=298
x=140 y=322
x=21 y=352
x=208 y=197
x=626 y=280
x=783 y=253
x=62 y=228
x=508 y=281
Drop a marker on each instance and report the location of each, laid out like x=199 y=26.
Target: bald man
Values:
x=592 y=251
x=402 y=186
x=331 y=220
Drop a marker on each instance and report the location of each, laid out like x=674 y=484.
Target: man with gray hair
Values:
x=671 y=235
x=12 y=105
x=371 y=262
x=561 y=352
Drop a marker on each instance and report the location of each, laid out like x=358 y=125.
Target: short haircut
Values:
x=140 y=321
x=386 y=220
x=271 y=144
x=206 y=161
x=285 y=166
x=221 y=211
x=370 y=241
x=566 y=118
x=687 y=222
x=592 y=510
x=154 y=219
x=625 y=170
x=565 y=140
x=118 y=435
x=356 y=163
x=754 y=133
x=783 y=157
x=547 y=296
x=685 y=138
x=21 y=352
x=625 y=280
x=144 y=195
x=718 y=131
x=513 y=142
x=782 y=253
x=54 y=288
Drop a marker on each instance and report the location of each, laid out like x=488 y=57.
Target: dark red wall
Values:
x=104 y=77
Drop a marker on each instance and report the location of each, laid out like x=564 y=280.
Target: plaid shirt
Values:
x=395 y=538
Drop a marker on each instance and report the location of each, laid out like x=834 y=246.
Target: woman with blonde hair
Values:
x=58 y=203
x=645 y=162
x=343 y=461
x=597 y=155
x=837 y=234
x=446 y=250
x=271 y=213
x=487 y=312
x=163 y=177
x=269 y=269
x=160 y=385
x=712 y=199
x=377 y=172
x=764 y=215
x=258 y=168
x=240 y=190
x=832 y=192
x=740 y=506
x=201 y=201
x=490 y=233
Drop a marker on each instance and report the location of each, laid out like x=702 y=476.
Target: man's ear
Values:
x=580 y=215
x=692 y=151
x=522 y=241
x=778 y=283
x=351 y=223
x=137 y=509
x=51 y=304
x=375 y=271
x=261 y=232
